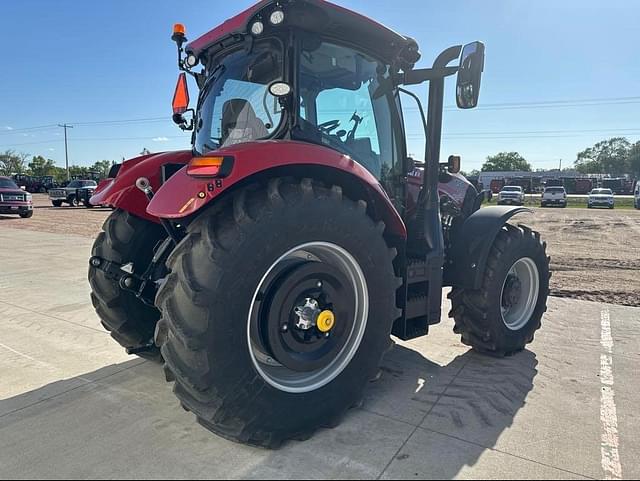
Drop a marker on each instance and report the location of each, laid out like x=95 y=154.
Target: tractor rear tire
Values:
x=482 y=316
x=125 y=239
x=224 y=268
x=57 y=203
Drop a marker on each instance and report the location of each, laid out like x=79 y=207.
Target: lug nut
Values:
x=128 y=282
x=285 y=328
x=319 y=284
x=95 y=262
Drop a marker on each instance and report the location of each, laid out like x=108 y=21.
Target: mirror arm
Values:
x=418 y=76
x=181 y=122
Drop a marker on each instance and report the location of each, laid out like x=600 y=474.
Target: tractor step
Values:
x=417 y=306
x=417 y=270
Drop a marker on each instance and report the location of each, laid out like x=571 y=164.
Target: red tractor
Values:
x=268 y=266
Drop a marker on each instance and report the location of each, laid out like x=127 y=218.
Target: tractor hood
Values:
x=317 y=16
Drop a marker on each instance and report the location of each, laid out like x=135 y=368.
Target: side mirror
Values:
x=453 y=164
x=469 y=75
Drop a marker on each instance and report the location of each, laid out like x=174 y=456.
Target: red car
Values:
x=13 y=200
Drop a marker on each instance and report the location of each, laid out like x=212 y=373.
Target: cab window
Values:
x=344 y=106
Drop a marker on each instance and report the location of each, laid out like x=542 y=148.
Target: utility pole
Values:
x=66 y=151
x=560 y=169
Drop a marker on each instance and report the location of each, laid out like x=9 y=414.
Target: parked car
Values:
x=511 y=194
x=554 y=196
x=601 y=198
x=73 y=193
x=636 y=196
x=14 y=200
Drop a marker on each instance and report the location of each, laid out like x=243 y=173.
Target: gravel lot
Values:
x=595 y=254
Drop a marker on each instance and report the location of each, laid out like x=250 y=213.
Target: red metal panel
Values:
x=122 y=193
x=182 y=195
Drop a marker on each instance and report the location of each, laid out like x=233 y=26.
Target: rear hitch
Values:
x=127 y=281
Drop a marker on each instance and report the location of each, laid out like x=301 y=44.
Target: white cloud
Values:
x=160 y=139
x=8 y=128
x=51 y=150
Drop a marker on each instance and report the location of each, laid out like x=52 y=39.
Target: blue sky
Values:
x=84 y=61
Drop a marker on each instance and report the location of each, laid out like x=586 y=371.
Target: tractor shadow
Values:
x=462 y=407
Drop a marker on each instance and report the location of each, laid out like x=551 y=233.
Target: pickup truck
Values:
x=14 y=200
x=554 y=196
x=601 y=198
x=511 y=194
x=69 y=194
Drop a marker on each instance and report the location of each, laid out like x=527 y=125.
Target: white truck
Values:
x=554 y=195
x=511 y=194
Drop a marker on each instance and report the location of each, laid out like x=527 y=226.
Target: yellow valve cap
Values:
x=326 y=321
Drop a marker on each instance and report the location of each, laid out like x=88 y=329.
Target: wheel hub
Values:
x=520 y=293
x=307 y=314
x=512 y=291
x=296 y=323
x=295 y=341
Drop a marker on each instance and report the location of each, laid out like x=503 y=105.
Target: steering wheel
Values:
x=327 y=127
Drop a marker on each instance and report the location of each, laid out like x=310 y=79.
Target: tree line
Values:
x=616 y=156
x=12 y=162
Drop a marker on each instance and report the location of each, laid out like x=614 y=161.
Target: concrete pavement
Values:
x=73 y=405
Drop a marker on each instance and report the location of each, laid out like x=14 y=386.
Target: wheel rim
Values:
x=288 y=354
x=520 y=293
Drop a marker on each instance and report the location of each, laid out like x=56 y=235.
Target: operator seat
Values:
x=363 y=153
x=240 y=123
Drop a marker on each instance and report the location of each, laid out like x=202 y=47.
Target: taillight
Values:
x=214 y=166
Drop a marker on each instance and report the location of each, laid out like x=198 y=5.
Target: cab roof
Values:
x=317 y=16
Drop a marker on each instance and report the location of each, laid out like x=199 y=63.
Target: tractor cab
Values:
x=314 y=72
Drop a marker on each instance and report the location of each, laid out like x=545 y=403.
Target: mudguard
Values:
x=467 y=256
x=122 y=193
x=183 y=196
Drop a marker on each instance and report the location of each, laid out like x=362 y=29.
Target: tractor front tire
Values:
x=232 y=334
x=501 y=317
x=57 y=203
x=125 y=239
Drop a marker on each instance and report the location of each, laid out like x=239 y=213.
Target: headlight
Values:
x=277 y=17
x=191 y=60
x=28 y=197
x=257 y=28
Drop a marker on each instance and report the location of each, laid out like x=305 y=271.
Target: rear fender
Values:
x=471 y=244
x=183 y=196
x=122 y=193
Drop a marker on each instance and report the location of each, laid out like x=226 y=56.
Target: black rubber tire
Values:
x=57 y=203
x=88 y=205
x=28 y=215
x=477 y=314
x=73 y=201
x=206 y=300
x=125 y=238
